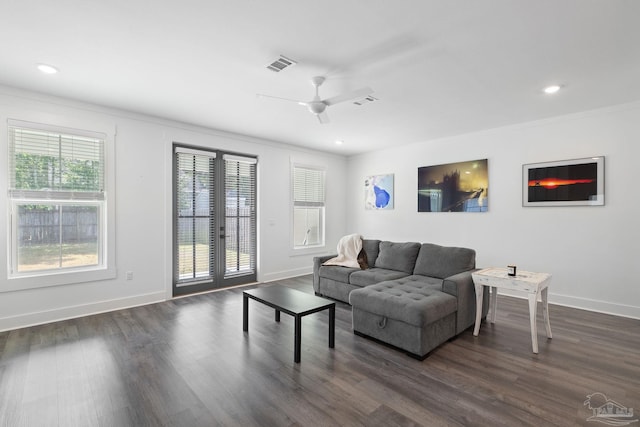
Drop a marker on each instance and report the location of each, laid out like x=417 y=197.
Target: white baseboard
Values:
x=286 y=274
x=64 y=313
x=586 y=304
x=48 y=316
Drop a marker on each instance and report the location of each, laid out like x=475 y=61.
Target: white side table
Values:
x=534 y=284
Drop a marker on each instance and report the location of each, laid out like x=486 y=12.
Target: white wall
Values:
x=592 y=252
x=143 y=170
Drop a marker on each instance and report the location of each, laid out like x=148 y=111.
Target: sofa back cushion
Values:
x=371 y=249
x=442 y=261
x=398 y=256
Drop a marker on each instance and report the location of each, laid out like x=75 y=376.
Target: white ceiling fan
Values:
x=318 y=106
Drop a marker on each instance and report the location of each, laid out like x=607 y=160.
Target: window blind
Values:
x=195 y=193
x=240 y=214
x=308 y=186
x=55 y=165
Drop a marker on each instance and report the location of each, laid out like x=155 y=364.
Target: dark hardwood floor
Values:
x=186 y=362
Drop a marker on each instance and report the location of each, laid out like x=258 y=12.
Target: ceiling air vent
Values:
x=281 y=63
x=369 y=99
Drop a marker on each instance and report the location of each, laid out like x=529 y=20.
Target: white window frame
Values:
x=300 y=249
x=106 y=252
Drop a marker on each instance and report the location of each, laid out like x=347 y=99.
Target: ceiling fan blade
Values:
x=260 y=95
x=356 y=94
x=323 y=118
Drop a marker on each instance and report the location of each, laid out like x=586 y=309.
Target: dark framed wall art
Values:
x=577 y=182
x=454 y=187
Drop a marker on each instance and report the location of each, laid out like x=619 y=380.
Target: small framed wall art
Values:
x=378 y=192
x=577 y=182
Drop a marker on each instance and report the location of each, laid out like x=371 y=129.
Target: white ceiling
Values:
x=438 y=67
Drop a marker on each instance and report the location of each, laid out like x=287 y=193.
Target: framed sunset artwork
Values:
x=577 y=182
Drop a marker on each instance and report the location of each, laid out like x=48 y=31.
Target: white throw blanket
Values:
x=348 y=249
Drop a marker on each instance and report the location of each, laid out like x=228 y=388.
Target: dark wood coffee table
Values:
x=294 y=303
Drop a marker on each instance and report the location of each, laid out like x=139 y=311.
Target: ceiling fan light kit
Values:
x=318 y=105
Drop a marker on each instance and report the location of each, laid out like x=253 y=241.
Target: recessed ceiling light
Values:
x=551 y=89
x=47 y=69
x=339 y=142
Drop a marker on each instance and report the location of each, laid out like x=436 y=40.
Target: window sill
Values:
x=19 y=283
x=315 y=250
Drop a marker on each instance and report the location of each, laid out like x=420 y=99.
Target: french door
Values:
x=215 y=219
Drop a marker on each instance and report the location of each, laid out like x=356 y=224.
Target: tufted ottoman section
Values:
x=412 y=315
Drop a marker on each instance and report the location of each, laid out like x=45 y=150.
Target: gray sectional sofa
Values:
x=412 y=296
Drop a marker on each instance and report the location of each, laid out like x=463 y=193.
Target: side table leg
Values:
x=545 y=311
x=479 y=296
x=277 y=315
x=332 y=326
x=493 y=304
x=245 y=312
x=297 y=339
x=533 y=303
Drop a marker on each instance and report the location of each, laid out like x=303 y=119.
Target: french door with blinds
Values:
x=215 y=220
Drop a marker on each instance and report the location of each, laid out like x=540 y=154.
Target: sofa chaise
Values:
x=411 y=296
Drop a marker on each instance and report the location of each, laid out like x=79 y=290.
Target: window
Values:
x=240 y=214
x=195 y=205
x=308 y=207
x=57 y=201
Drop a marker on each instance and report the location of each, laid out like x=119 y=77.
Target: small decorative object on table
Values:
x=511 y=270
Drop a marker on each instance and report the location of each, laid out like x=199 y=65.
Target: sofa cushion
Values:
x=442 y=261
x=425 y=281
x=410 y=302
x=371 y=248
x=336 y=272
x=373 y=275
x=398 y=256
